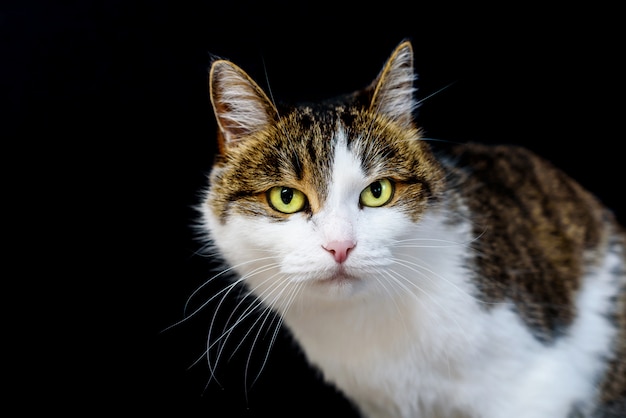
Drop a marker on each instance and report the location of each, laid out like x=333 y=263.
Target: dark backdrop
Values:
x=109 y=116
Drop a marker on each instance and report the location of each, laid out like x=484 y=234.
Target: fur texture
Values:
x=482 y=282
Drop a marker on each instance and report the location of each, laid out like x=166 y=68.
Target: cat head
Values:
x=319 y=195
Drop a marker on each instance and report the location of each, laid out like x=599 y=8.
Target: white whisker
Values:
x=436 y=92
x=420 y=268
x=228 y=328
x=286 y=302
x=224 y=290
x=413 y=243
x=221 y=273
x=440 y=311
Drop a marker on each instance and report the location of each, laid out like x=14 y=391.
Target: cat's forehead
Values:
x=326 y=116
x=318 y=129
x=345 y=117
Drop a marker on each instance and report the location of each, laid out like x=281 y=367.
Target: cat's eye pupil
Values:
x=377 y=189
x=286 y=195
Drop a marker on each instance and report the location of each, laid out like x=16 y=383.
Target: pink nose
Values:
x=339 y=249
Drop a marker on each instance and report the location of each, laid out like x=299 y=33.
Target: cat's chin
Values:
x=338 y=278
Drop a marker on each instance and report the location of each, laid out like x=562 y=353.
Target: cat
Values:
x=470 y=280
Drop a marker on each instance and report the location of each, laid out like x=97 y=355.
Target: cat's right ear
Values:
x=240 y=105
x=393 y=88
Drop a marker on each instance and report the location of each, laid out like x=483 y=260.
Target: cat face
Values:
x=319 y=198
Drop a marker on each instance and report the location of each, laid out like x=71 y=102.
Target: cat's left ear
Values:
x=240 y=105
x=394 y=92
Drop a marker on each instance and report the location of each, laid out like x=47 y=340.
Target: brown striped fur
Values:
x=534 y=222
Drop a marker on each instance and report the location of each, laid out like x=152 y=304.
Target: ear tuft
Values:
x=394 y=92
x=240 y=105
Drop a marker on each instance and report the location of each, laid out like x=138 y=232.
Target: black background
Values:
x=110 y=124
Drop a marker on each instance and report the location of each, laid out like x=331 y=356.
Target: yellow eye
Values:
x=286 y=199
x=377 y=194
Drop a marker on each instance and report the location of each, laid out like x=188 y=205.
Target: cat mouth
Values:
x=339 y=276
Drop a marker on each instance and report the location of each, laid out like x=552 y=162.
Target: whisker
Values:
x=399 y=277
x=436 y=92
x=422 y=270
x=223 y=272
x=228 y=329
x=223 y=290
x=449 y=243
x=268 y=314
x=446 y=141
x=260 y=301
x=437 y=312
x=293 y=290
x=391 y=296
